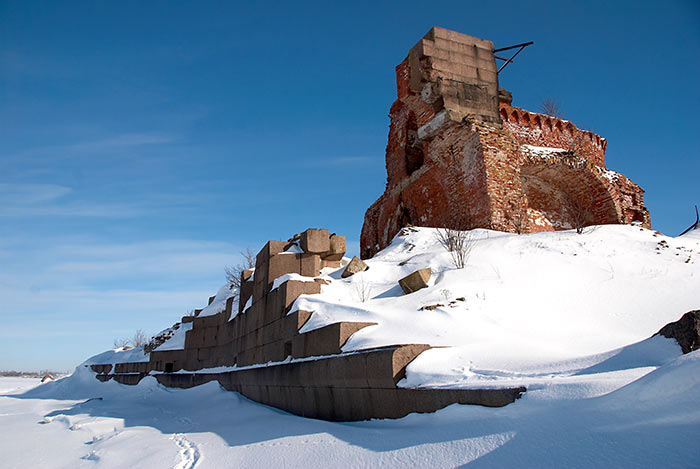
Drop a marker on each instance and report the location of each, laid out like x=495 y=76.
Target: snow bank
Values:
x=219 y=303
x=177 y=339
x=529 y=300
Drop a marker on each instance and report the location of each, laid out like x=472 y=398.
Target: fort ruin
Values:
x=459 y=155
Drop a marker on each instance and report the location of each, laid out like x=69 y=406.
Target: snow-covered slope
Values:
x=524 y=305
x=652 y=422
x=569 y=316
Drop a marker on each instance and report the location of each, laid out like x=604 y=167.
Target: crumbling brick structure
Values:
x=459 y=155
x=304 y=373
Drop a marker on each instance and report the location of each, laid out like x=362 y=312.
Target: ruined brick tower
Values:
x=459 y=155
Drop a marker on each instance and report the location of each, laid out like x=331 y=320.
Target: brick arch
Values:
x=525 y=119
x=558 y=194
x=548 y=124
x=514 y=117
x=504 y=115
x=536 y=122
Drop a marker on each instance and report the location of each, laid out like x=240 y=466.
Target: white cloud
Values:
x=28 y=194
x=42 y=200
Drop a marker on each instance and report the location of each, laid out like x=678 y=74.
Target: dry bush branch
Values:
x=551 y=107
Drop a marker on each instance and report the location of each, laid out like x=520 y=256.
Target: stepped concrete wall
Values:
x=304 y=373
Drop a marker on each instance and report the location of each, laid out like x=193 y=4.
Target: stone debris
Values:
x=355 y=266
x=415 y=281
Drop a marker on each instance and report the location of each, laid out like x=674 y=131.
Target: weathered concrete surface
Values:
x=355 y=386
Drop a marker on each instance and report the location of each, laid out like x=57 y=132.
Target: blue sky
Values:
x=144 y=144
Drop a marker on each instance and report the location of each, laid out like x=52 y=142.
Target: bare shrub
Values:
x=363 y=289
x=459 y=243
x=121 y=343
x=446 y=294
x=234 y=273
x=551 y=107
x=139 y=339
x=581 y=212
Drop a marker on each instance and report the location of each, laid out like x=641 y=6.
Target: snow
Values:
x=651 y=422
x=177 y=339
x=283 y=278
x=219 y=303
x=542 y=151
x=533 y=301
x=571 y=317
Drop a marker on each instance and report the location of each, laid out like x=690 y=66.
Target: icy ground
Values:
x=569 y=316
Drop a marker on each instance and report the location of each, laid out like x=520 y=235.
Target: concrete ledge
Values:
x=346 y=387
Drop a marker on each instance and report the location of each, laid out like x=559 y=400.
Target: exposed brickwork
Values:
x=456 y=157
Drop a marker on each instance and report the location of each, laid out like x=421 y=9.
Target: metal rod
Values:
x=511 y=59
x=500 y=58
x=524 y=44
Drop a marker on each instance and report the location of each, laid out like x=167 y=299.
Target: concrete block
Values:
x=275 y=307
x=284 y=263
x=247 y=289
x=337 y=248
x=354 y=266
x=453 y=36
x=332 y=264
x=310 y=265
x=270 y=249
x=260 y=283
x=204 y=353
x=271 y=331
x=415 y=281
x=354 y=370
x=293 y=322
x=315 y=241
x=326 y=340
x=292 y=289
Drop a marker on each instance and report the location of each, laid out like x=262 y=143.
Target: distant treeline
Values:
x=31 y=374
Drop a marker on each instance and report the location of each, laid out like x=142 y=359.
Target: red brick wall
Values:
x=478 y=171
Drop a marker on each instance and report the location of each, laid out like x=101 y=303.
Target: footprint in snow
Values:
x=189 y=452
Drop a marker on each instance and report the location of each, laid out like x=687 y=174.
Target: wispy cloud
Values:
x=78 y=290
x=122 y=140
x=115 y=142
x=338 y=161
x=42 y=200
x=28 y=194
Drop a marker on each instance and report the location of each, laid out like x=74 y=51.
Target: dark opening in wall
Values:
x=414 y=147
x=168 y=367
x=405 y=219
x=287 y=349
